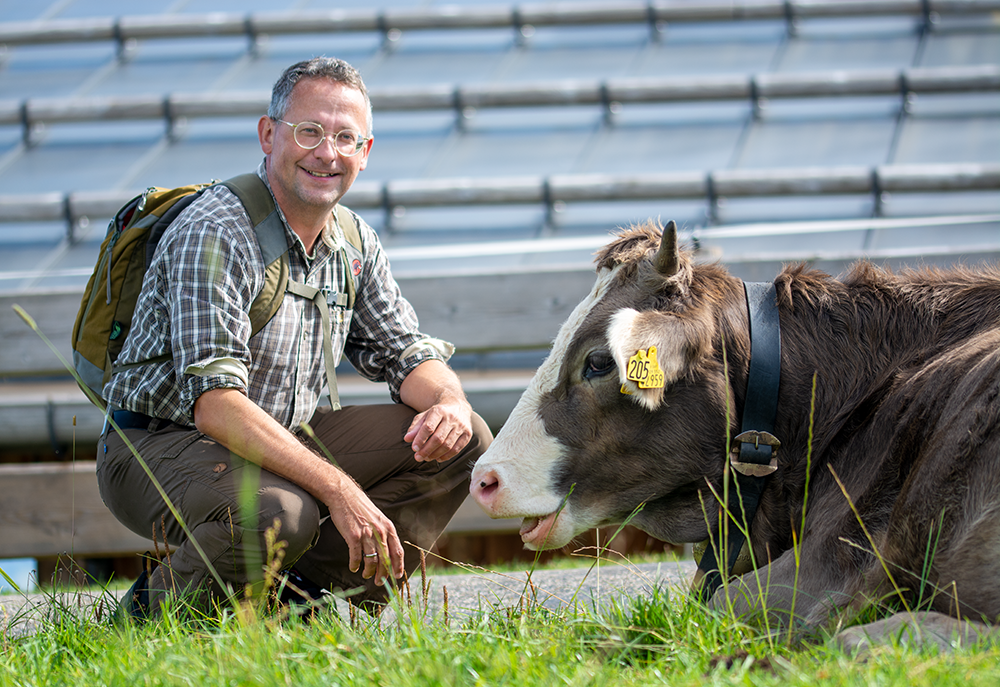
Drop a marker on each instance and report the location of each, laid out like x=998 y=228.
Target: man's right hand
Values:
x=369 y=534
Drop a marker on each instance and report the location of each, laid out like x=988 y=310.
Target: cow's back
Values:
x=945 y=523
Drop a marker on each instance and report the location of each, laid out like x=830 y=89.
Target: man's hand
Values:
x=440 y=432
x=371 y=537
x=444 y=424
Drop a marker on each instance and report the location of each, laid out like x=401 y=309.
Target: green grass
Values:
x=658 y=639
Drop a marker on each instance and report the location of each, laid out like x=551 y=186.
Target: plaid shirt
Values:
x=195 y=304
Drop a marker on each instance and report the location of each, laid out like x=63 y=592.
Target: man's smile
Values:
x=321 y=175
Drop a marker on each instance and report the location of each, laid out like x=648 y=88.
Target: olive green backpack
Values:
x=108 y=305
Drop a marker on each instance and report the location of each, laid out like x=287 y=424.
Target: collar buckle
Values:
x=756 y=439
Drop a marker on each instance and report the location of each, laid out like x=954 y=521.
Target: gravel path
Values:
x=468 y=594
x=573 y=587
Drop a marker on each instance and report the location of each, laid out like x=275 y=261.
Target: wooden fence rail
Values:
x=34 y=112
x=55 y=508
x=516 y=17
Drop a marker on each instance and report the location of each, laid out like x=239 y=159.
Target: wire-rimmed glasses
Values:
x=310 y=135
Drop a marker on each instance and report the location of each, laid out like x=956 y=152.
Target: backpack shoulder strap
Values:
x=259 y=204
x=345 y=218
x=270 y=231
x=354 y=250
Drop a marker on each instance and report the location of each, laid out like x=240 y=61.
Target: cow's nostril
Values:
x=486 y=487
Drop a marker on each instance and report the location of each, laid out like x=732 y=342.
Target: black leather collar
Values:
x=756 y=445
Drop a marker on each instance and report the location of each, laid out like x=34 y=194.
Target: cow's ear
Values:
x=631 y=335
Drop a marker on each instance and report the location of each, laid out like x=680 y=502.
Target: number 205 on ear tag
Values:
x=644 y=369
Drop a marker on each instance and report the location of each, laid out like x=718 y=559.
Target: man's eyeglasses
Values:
x=310 y=135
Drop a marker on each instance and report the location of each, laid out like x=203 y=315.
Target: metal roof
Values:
x=833 y=86
x=515 y=137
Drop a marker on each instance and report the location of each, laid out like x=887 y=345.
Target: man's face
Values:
x=305 y=182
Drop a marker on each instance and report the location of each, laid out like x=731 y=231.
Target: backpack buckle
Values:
x=142 y=199
x=337 y=298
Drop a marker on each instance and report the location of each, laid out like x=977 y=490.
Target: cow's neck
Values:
x=856 y=335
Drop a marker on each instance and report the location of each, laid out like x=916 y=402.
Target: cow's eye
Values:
x=599 y=364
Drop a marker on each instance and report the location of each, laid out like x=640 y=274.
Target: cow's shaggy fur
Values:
x=889 y=469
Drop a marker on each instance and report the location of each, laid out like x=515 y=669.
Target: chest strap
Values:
x=319 y=298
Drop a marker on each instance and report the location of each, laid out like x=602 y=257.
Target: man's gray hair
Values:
x=316 y=68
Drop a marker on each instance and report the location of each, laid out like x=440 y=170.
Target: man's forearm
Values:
x=443 y=425
x=431 y=383
x=236 y=422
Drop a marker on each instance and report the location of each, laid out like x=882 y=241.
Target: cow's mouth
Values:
x=535 y=530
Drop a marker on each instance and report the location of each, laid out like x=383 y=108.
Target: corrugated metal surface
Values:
x=756 y=135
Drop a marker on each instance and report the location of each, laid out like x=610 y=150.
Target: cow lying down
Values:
x=905 y=448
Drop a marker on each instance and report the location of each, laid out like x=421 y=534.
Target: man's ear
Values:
x=365 y=150
x=265 y=134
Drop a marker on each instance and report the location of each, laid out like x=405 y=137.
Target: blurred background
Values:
x=510 y=141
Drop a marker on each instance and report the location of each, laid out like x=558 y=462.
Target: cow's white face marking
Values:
x=521 y=459
x=630 y=331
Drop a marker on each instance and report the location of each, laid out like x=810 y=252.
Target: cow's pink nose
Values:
x=484 y=489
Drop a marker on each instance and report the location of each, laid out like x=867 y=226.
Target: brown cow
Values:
x=907 y=418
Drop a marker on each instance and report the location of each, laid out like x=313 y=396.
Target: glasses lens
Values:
x=348 y=142
x=308 y=134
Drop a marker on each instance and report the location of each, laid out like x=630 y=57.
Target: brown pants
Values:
x=228 y=503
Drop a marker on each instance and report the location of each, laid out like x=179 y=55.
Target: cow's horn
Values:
x=668 y=260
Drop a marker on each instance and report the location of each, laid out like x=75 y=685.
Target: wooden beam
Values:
x=55 y=508
x=24 y=353
x=458 y=17
x=56 y=413
x=460 y=191
x=826 y=84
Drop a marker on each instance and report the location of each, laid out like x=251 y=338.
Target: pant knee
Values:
x=295 y=515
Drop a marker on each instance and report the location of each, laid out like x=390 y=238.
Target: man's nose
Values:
x=327 y=147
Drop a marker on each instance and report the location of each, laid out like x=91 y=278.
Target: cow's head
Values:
x=585 y=446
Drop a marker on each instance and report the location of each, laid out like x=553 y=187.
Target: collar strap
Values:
x=755 y=447
x=756 y=442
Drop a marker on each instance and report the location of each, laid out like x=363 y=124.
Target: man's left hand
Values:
x=441 y=431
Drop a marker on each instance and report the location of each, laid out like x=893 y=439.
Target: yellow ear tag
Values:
x=644 y=369
x=626 y=390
